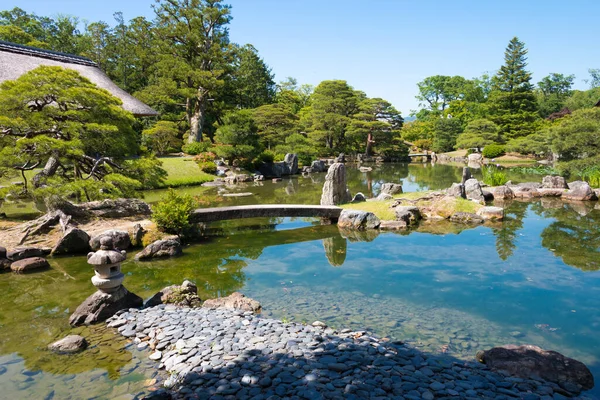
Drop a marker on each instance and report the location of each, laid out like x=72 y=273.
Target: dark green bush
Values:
x=208 y=166
x=493 y=150
x=195 y=148
x=172 y=214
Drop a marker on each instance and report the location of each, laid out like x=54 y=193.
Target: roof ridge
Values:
x=52 y=55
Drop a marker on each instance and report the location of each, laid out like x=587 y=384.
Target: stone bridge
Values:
x=265 y=210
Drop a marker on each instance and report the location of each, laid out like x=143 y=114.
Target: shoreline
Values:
x=234 y=354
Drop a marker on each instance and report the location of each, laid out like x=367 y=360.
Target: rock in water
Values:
x=74 y=241
x=120 y=239
x=21 y=253
x=101 y=306
x=29 y=264
x=473 y=191
x=318 y=166
x=409 y=214
x=69 y=345
x=475 y=158
x=502 y=192
x=491 y=213
x=391 y=188
x=466 y=218
x=334 y=190
x=554 y=182
x=529 y=361
x=184 y=295
x=160 y=248
x=356 y=219
x=291 y=159
x=137 y=235
x=580 y=191
x=235 y=301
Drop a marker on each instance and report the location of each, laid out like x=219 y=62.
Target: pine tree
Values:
x=512 y=102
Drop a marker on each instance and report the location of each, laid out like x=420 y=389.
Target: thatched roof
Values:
x=15 y=60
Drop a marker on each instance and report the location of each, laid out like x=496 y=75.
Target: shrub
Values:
x=264 y=157
x=195 y=148
x=424 y=144
x=493 y=176
x=591 y=175
x=209 y=167
x=493 y=150
x=207 y=156
x=172 y=214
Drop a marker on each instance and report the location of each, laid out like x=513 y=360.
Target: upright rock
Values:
x=291 y=159
x=466 y=175
x=334 y=190
x=74 y=241
x=120 y=239
x=457 y=190
x=473 y=191
x=318 y=166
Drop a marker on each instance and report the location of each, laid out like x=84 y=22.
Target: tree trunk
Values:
x=197 y=117
x=49 y=170
x=368 y=150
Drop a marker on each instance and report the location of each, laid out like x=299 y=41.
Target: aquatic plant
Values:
x=493 y=176
x=537 y=170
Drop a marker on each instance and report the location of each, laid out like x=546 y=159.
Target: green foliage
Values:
x=552 y=93
x=208 y=166
x=376 y=124
x=237 y=137
x=538 y=143
x=54 y=117
x=478 y=133
x=275 y=122
x=207 y=156
x=445 y=131
x=583 y=99
x=250 y=84
x=417 y=130
x=537 y=170
x=423 y=144
x=493 y=176
x=183 y=171
x=172 y=215
x=437 y=92
x=493 y=150
x=513 y=104
x=195 y=148
x=577 y=136
x=162 y=137
x=148 y=171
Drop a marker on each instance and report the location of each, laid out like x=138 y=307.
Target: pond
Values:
x=445 y=289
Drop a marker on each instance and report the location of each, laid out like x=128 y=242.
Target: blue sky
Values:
x=384 y=47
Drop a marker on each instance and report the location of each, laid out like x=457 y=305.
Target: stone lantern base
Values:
x=100 y=306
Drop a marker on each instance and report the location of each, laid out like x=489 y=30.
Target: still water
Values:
x=445 y=289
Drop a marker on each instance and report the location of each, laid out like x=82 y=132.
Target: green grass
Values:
x=183 y=171
x=382 y=208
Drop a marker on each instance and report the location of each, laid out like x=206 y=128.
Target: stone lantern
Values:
x=107 y=266
x=111 y=295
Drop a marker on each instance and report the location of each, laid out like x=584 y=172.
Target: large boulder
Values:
x=69 y=345
x=29 y=264
x=466 y=175
x=356 y=219
x=291 y=159
x=120 y=239
x=391 y=188
x=529 y=361
x=473 y=191
x=466 y=218
x=160 y=248
x=501 y=192
x=409 y=214
x=74 y=241
x=579 y=191
x=117 y=208
x=491 y=213
x=235 y=301
x=554 y=182
x=21 y=253
x=334 y=190
x=5 y=264
x=318 y=166
x=384 y=197
x=185 y=295
x=100 y=306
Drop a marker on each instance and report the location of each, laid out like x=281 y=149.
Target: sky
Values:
x=385 y=47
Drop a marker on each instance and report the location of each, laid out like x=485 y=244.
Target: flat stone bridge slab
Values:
x=265 y=210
